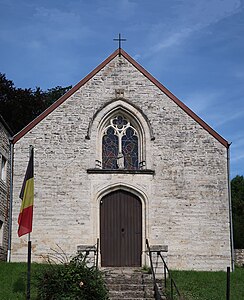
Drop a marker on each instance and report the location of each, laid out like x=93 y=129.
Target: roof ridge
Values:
x=177 y=101
x=58 y=102
x=120 y=52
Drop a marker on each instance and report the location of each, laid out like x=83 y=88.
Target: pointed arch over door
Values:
x=121 y=229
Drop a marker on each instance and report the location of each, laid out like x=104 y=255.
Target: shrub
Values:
x=72 y=280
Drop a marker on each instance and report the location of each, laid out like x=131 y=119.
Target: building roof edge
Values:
x=51 y=108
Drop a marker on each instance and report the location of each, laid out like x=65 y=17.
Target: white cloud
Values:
x=192 y=16
x=229 y=117
x=202 y=101
x=137 y=56
x=120 y=10
x=172 y=40
x=239 y=74
x=238 y=144
x=238 y=157
x=202 y=13
x=52 y=26
x=54 y=15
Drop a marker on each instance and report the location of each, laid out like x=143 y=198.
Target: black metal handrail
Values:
x=156 y=291
x=172 y=282
x=166 y=271
x=87 y=249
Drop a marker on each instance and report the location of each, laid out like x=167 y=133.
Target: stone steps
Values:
x=128 y=284
x=123 y=280
x=130 y=294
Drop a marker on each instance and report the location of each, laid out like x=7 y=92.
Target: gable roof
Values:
x=120 y=51
x=6 y=126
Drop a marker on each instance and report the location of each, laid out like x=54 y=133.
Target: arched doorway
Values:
x=121 y=229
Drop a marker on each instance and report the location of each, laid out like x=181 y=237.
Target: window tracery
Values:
x=120 y=144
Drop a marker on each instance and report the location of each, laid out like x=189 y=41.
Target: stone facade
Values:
x=239 y=257
x=183 y=185
x=5 y=133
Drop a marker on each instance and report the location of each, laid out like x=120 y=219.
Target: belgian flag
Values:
x=27 y=196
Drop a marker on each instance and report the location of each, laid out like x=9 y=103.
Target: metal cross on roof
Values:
x=120 y=40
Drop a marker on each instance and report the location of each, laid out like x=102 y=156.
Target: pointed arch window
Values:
x=120 y=144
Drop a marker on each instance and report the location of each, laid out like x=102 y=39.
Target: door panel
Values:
x=120 y=229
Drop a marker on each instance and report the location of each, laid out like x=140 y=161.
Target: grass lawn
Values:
x=192 y=285
x=209 y=285
x=13 y=278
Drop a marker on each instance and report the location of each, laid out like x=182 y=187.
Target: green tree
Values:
x=20 y=106
x=237 y=194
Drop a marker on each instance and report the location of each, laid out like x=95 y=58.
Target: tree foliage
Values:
x=237 y=194
x=20 y=106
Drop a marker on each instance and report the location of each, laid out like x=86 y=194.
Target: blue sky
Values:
x=193 y=47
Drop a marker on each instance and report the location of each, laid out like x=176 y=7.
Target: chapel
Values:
x=117 y=160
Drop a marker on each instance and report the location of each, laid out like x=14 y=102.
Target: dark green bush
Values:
x=71 y=281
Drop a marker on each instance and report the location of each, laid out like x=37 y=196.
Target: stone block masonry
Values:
x=239 y=257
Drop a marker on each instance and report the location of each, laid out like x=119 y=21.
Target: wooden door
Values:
x=120 y=230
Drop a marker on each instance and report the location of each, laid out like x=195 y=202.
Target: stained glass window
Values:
x=120 y=144
x=130 y=149
x=110 y=149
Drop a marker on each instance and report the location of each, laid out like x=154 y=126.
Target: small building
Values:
x=119 y=158
x=5 y=134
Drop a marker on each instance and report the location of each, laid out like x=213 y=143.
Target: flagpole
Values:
x=28 y=268
x=26 y=211
x=29 y=251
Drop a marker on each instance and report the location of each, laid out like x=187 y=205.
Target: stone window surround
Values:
x=106 y=112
